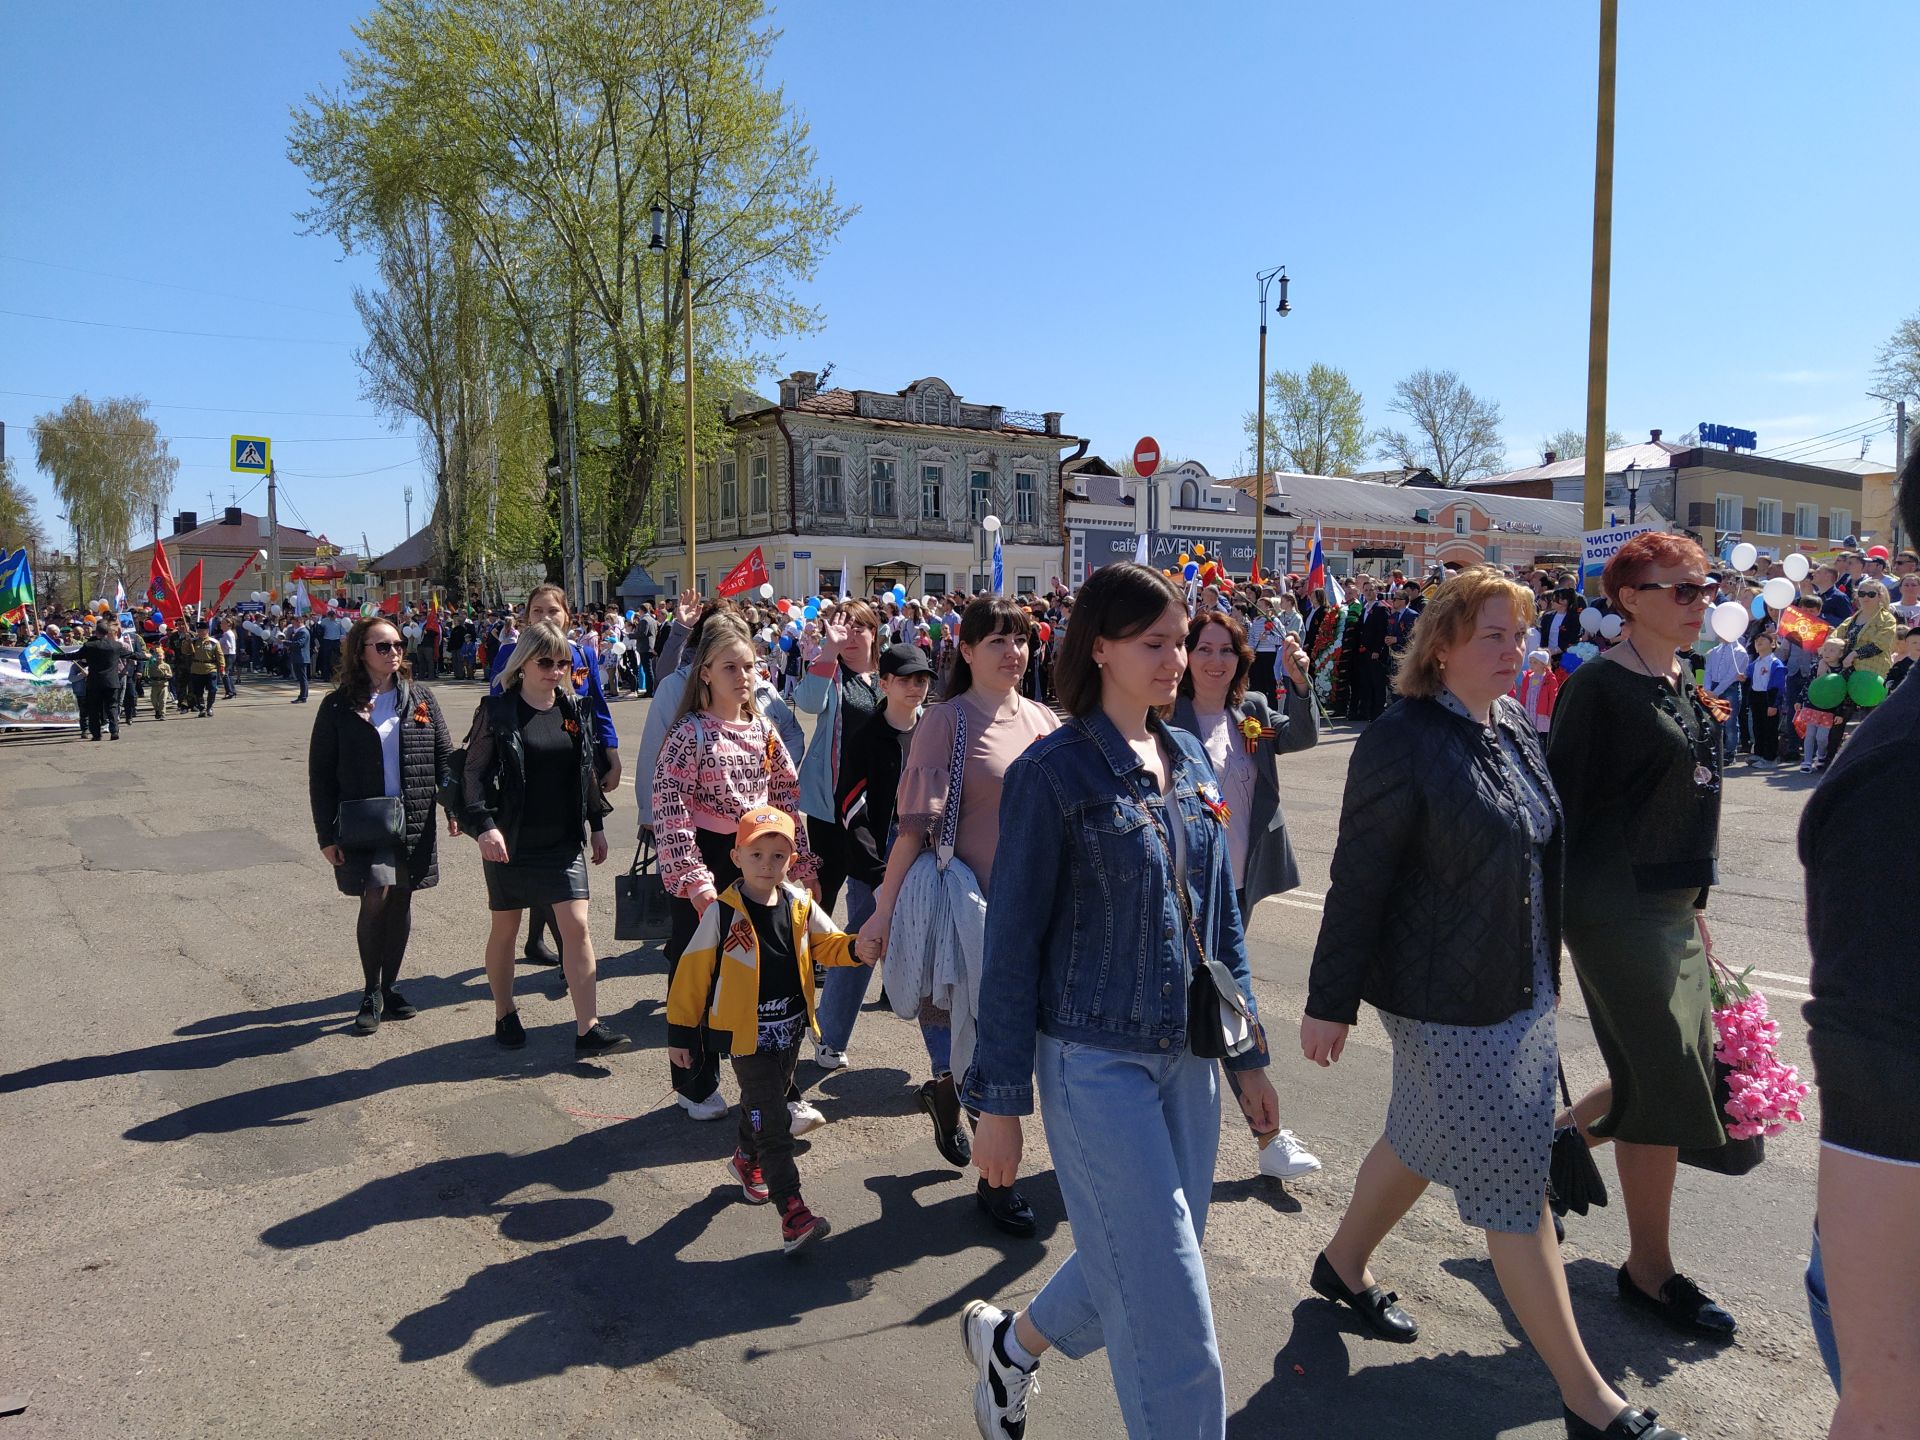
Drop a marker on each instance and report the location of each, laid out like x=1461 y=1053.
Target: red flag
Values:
x=749 y=573
x=1805 y=629
x=162 y=594
x=390 y=605
x=190 y=587
x=227 y=585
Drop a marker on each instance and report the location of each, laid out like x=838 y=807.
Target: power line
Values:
x=1856 y=428
x=167 y=285
x=348 y=474
x=221 y=409
x=158 y=330
x=296 y=440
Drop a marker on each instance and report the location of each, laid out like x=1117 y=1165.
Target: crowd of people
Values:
x=1052 y=816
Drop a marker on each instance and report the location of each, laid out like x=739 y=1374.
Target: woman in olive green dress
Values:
x=1633 y=756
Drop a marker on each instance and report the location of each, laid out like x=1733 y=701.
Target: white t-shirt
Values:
x=385 y=717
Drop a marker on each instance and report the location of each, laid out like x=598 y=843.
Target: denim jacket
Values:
x=1085 y=938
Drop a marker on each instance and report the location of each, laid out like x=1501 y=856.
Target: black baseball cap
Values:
x=905 y=660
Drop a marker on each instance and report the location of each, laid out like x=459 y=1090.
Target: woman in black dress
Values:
x=377 y=734
x=533 y=799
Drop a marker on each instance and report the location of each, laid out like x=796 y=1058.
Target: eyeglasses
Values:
x=550 y=662
x=1685 y=592
x=388 y=647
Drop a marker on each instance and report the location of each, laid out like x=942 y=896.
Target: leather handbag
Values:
x=1220 y=1023
x=640 y=908
x=375 y=824
x=1573 y=1180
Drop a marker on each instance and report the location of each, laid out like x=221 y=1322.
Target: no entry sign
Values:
x=1146 y=456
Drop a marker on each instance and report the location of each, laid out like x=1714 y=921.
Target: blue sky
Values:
x=1062 y=208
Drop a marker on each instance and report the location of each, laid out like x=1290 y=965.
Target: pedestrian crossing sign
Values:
x=251 y=454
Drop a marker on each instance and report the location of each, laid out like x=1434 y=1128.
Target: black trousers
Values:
x=716 y=849
x=1261 y=678
x=98 y=706
x=1762 y=727
x=829 y=845
x=766 y=1126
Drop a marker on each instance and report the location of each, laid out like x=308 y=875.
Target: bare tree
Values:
x=1572 y=444
x=1896 y=372
x=1454 y=433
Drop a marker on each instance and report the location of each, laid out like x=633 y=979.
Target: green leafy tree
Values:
x=540 y=133
x=109 y=466
x=1453 y=432
x=19 y=519
x=1572 y=444
x=1316 y=423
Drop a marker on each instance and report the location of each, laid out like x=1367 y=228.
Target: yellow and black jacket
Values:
x=721 y=971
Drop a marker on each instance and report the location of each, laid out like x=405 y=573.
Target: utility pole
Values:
x=1266 y=278
x=1596 y=466
x=156 y=524
x=273 y=536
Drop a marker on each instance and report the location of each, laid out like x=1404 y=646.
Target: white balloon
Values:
x=1611 y=626
x=1797 y=567
x=1743 y=557
x=1729 y=619
x=1778 y=592
x=1590 y=619
x=766 y=591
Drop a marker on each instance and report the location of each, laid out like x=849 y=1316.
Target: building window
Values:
x=1189 y=494
x=1726 y=512
x=1026 y=584
x=979 y=495
x=880 y=487
x=670 y=502
x=700 y=582
x=1840 y=524
x=729 y=490
x=826 y=483
x=599 y=591
x=670 y=583
x=933 y=480
x=1493 y=554
x=1025 y=494
x=936 y=582
x=982 y=583
x=1461 y=523
x=1766 y=516
x=757 y=485
x=1806 y=521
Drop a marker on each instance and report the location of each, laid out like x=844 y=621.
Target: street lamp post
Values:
x=1633 y=492
x=659 y=242
x=1266 y=279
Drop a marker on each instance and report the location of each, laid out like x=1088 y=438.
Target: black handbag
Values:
x=1731 y=1157
x=1220 y=1023
x=376 y=824
x=640 y=907
x=1573 y=1180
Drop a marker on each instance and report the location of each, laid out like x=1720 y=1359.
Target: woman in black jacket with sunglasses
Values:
x=377 y=735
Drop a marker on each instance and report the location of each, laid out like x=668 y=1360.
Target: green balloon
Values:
x=933 y=627
x=1866 y=689
x=1827 y=692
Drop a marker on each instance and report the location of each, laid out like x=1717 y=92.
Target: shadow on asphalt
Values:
x=428 y=992
x=1480 y=1397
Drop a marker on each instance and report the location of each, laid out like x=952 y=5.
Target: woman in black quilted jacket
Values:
x=1444 y=915
x=377 y=734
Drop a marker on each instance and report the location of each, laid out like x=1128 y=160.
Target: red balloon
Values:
x=1046 y=632
x=783 y=605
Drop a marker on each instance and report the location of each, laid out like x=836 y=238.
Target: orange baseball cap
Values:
x=765 y=821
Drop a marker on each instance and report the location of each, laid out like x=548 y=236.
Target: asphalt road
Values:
x=221 y=1213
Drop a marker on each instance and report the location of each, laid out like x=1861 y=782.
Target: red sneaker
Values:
x=799 y=1225
x=753 y=1189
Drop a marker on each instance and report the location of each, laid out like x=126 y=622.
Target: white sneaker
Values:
x=714 y=1107
x=1285 y=1158
x=805 y=1117
x=828 y=1058
x=1001 y=1391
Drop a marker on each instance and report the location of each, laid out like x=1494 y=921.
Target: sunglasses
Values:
x=1685 y=592
x=549 y=662
x=388 y=647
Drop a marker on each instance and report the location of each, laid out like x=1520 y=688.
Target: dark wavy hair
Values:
x=1116 y=603
x=1237 y=634
x=989 y=615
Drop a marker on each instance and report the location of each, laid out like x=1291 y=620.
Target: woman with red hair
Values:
x=1634 y=756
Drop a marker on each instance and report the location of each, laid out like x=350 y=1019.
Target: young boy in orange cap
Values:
x=745 y=986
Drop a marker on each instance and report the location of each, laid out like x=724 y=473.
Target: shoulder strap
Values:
x=956 y=777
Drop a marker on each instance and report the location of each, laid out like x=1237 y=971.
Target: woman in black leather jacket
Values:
x=1443 y=913
x=532 y=793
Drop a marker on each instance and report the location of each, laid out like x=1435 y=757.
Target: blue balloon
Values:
x=786 y=642
x=899 y=592
x=1571 y=662
x=1759 y=608
x=1191 y=569
x=812 y=612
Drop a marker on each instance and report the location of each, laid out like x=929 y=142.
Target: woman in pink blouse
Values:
x=721 y=759
x=995 y=639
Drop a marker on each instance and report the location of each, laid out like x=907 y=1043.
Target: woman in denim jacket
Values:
x=1089 y=952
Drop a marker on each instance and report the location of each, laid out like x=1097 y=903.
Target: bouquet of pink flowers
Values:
x=1764 y=1094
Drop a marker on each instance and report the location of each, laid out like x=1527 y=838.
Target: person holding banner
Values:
x=100 y=659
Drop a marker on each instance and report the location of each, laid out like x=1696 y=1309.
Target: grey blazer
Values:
x=1271 y=868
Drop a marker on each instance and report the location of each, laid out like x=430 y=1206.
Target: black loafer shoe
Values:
x=537 y=953
x=949 y=1137
x=368 y=1020
x=1006 y=1208
x=1682 y=1304
x=1629 y=1424
x=396 y=1006
x=508 y=1032
x=1375 y=1306
x=600 y=1041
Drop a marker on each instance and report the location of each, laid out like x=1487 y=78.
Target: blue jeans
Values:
x=846 y=987
x=1737 y=698
x=1819 y=1312
x=1133 y=1139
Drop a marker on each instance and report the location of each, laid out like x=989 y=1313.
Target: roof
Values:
x=1648 y=455
x=842 y=404
x=410 y=554
x=247 y=535
x=638 y=584
x=1364 y=502
x=1103 y=487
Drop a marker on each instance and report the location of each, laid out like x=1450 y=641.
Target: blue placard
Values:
x=1730 y=436
x=803 y=554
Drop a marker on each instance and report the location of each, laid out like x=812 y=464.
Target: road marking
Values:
x=1802 y=980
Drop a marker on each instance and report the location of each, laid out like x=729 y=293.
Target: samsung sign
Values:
x=1728 y=436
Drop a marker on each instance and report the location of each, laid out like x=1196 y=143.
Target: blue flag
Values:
x=16 y=582
x=999 y=574
x=38 y=656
